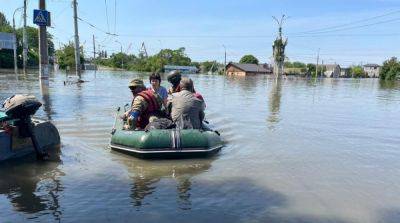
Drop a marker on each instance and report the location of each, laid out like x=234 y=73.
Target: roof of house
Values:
x=371 y=65
x=331 y=66
x=247 y=67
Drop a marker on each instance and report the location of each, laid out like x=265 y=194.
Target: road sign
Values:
x=7 y=40
x=41 y=17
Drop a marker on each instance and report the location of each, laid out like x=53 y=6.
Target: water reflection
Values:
x=275 y=103
x=246 y=83
x=44 y=90
x=32 y=186
x=389 y=84
x=146 y=175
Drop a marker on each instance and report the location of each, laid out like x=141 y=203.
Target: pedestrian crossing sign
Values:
x=41 y=17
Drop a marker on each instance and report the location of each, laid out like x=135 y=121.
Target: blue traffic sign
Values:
x=41 y=17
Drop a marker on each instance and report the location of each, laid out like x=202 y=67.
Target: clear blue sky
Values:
x=346 y=31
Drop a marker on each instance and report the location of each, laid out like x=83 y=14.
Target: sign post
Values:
x=41 y=18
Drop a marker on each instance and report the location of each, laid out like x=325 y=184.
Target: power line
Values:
x=347 y=24
x=95 y=27
x=108 y=25
x=355 y=27
x=346 y=35
x=115 y=16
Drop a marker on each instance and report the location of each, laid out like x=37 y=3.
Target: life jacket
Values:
x=153 y=106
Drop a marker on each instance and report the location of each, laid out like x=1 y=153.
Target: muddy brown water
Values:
x=297 y=150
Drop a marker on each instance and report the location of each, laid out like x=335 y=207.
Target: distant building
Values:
x=89 y=66
x=372 y=70
x=332 y=70
x=182 y=69
x=244 y=69
x=345 y=72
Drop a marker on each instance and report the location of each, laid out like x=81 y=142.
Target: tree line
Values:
x=156 y=62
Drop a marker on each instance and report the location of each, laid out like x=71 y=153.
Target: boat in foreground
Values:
x=164 y=143
x=21 y=134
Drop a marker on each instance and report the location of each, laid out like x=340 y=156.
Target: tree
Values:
x=390 y=69
x=357 y=71
x=297 y=64
x=156 y=62
x=4 y=24
x=6 y=56
x=311 y=69
x=249 y=59
x=209 y=66
x=66 y=56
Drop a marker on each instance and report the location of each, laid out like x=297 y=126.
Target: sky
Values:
x=346 y=32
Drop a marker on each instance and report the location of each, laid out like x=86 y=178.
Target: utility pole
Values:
x=94 y=49
x=279 y=49
x=15 y=43
x=24 y=41
x=316 y=68
x=77 y=49
x=43 y=48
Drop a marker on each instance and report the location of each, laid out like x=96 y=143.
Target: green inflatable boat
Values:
x=164 y=143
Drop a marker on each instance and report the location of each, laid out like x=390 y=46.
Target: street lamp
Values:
x=122 y=56
x=15 y=42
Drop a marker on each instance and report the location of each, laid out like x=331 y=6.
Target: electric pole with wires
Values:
x=24 y=42
x=77 y=49
x=279 y=49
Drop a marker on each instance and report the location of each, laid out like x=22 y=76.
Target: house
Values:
x=244 y=69
x=345 y=72
x=372 y=70
x=182 y=69
x=332 y=70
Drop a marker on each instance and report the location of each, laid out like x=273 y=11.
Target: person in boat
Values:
x=187 y=111
x=155 y=81
x=146 y=106
x=174 y=77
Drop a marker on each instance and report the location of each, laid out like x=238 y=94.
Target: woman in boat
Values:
x=155 y=81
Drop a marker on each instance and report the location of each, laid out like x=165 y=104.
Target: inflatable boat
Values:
x=164 y=143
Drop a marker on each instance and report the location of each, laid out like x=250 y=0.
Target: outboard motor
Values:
x=22 y=107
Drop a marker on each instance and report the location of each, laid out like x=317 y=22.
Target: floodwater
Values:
x=297 y=150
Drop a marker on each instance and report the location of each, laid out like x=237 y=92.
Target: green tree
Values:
x=357 y=71
x=66 y=56
x=6 y=56
x=311 y=69
x=209 y=66
x=288 y=64
x=156 y=62
x=297 y=64
x=390 y=69
x=249 y=59
x=4 y=24
x=121 y=60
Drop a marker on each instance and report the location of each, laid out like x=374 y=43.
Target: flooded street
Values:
x=297 y=150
